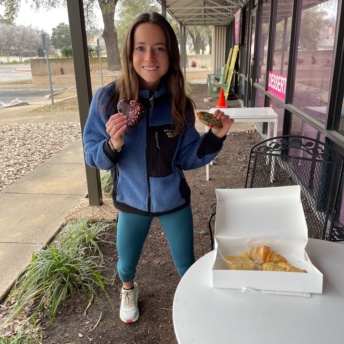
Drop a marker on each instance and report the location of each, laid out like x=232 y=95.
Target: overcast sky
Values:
x=42 y=20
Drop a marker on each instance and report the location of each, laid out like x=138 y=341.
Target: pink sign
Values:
x=237 y=26
x=277 y=85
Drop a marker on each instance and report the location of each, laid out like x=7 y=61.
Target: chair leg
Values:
x=213 y=213
x=211 y=233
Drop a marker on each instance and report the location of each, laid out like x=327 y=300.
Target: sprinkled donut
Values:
x=133 y=110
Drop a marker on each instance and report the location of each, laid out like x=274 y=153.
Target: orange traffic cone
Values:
x=222 y=101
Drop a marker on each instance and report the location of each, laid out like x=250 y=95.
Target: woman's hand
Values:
x=226 y=124
x=115 y=127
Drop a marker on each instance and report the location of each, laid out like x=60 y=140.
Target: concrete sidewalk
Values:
x=33 y=209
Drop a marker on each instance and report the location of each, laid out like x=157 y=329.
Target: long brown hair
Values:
x=127 y=85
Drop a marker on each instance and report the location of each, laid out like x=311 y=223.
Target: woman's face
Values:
x=150 y=57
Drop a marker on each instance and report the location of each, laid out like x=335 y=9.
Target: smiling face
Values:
x=150 y=56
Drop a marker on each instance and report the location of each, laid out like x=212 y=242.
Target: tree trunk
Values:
x=197 y=44
x=210 y=38
x=110 y=34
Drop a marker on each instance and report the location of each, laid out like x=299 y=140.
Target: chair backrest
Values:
x=297 y=160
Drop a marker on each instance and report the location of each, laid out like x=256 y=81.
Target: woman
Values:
x=147 y=158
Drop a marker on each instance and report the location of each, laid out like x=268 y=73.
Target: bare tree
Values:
x=107 y=8
x=25 y=41
x=6 y=40
x=127 y=11
x=18 y=40
x=109 y=35
x=200 y=38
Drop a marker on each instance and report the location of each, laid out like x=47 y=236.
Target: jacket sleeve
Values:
x=210 y=144
x=95 y=136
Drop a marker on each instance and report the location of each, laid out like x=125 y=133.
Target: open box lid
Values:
x=274 y=213
x=273 y=216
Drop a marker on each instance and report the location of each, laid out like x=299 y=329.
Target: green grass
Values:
x=106 y=183
x=70 y=265
x=17 y=82
x=71 y=92
x=26 y=62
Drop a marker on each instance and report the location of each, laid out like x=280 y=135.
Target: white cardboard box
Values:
x=248 y=218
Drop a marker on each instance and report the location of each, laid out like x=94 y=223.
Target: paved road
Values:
x=11 y=94
x=14 y=72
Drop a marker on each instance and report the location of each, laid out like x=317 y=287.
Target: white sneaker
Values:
x=129 y=312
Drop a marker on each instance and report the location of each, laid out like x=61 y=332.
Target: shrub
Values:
x=67 y=52
x=69 y=265
x=106 y=182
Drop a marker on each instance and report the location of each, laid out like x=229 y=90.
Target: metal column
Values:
x=83 y=87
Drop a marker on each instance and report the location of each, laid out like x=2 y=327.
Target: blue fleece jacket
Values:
x=147 y=173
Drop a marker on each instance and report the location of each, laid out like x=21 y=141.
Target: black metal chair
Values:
x=298 y=160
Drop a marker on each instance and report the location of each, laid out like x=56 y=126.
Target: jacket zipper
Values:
x=157 y=140
x=151 y=105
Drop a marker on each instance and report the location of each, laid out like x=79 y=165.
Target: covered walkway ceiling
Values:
x=221 y=12
x=202 y=12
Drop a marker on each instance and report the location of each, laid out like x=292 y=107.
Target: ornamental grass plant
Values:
x=71 y=264
x=106 y=182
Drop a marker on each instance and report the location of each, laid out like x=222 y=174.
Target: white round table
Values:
x=206 y=315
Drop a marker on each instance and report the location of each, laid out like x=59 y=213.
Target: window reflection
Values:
x=314 y=58
x=264 y=42
x=262 y=127
x=341 y=123
x=259 y=99
x=282 y=40
x=279 y=69
x=280 y=112
x=300 y=127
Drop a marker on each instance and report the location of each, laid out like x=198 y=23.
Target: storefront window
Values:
x=341 y=123
x=263 y=42
x=243 y=53
x=300 y=127
x=244 y=45
x=315 y=58
x=263 y=127
x=259 y=100
x=276 y=106
x=279 y=70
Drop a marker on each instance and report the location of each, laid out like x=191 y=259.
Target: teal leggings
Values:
x=132 y=231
